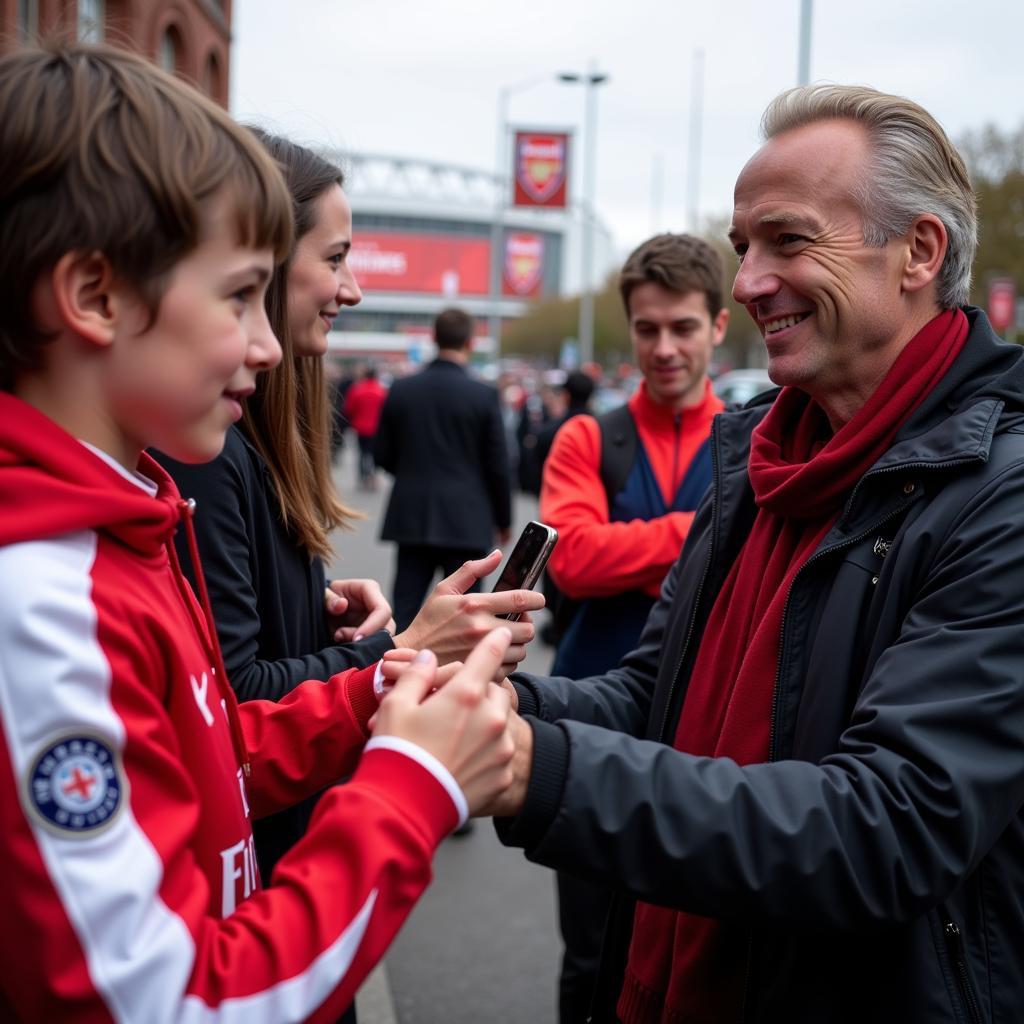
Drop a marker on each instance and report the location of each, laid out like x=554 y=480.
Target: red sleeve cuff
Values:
x=358 y=685
x=411 y=790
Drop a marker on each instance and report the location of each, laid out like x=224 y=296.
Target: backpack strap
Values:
x=618 y=448
x=618 y=451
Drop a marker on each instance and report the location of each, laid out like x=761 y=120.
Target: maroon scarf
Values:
x=687 y=969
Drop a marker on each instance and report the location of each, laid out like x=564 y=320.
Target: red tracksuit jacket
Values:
x=130 y=890
x=595 y=557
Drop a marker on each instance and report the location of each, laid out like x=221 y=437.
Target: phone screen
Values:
x=527 y=560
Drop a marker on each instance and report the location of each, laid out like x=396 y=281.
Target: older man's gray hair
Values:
x=914 y=169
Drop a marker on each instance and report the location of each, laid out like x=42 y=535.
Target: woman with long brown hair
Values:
x=267 y=505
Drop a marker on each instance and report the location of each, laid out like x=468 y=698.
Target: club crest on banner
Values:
x=541 y=167
x=75 y=786
x=524 y=262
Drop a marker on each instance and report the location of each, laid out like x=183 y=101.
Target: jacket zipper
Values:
x=822 y=552
x=773 y=716
x=955 y=943
x=772 y=752
x=675 y=457
x=772 y=721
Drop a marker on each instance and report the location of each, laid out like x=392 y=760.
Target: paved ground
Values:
x=482 y=944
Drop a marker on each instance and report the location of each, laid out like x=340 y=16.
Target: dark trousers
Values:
x=582 y=916
x=417 y=564
x=367 y=467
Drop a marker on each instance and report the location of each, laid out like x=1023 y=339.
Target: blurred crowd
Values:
x=535 y=400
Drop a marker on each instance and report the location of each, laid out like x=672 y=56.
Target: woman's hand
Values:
x=451 y=622
x=356 y=608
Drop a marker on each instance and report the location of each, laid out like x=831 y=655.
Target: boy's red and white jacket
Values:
x=130 y=889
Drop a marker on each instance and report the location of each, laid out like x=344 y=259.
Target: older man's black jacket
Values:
x=878 y=861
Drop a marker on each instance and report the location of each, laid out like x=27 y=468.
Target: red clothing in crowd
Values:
x=363 y=403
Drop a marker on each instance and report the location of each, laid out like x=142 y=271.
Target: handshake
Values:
x=462 y=717
x=448 y=693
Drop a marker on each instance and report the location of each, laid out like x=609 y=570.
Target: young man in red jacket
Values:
x=140 y=229
x=614 y=549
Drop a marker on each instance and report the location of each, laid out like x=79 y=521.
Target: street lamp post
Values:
x=803 y=74
x=591 y=79
x=505 y=93
x=693 y=157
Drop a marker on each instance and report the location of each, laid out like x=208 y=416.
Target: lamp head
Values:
x=591 y=78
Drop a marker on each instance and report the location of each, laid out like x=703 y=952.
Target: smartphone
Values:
x=527 y=561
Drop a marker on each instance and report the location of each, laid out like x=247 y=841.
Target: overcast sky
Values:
x=421 y=78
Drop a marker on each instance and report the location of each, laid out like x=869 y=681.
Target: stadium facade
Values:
x=423 y=235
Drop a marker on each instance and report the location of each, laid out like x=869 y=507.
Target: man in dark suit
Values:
x=441 y=437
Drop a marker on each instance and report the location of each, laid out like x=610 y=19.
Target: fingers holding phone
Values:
x=526 y=563
x=523 y=632
x=451 y=622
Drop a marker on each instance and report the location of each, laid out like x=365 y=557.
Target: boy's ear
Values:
x=80 y=294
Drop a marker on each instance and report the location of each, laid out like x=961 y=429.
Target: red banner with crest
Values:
x=541 y=169
x=524 y=264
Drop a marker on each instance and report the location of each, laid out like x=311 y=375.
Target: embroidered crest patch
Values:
x=76 y=786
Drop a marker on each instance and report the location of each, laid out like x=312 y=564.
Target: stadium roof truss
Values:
x=411 y=181
x=396 y=177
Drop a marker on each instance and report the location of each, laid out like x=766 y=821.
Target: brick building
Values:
x=189 y=37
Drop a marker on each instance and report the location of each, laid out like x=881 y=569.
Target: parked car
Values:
x=737 y=387
x=606 y=398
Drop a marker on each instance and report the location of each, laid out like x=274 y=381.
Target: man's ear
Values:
x=926 y=243
x=718 y=326
x=80 y=295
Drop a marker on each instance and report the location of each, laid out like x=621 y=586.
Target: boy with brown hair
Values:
x=139 y=228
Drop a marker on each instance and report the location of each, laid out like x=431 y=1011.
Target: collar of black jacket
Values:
x=440 y=363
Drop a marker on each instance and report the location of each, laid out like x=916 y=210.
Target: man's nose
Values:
x=755 y=279
x=665 y=345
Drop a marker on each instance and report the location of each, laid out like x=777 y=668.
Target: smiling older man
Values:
x=807 y=780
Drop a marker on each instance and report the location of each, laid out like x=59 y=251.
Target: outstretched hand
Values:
x=356 y=608
x=451 y=622
x=464 y=724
